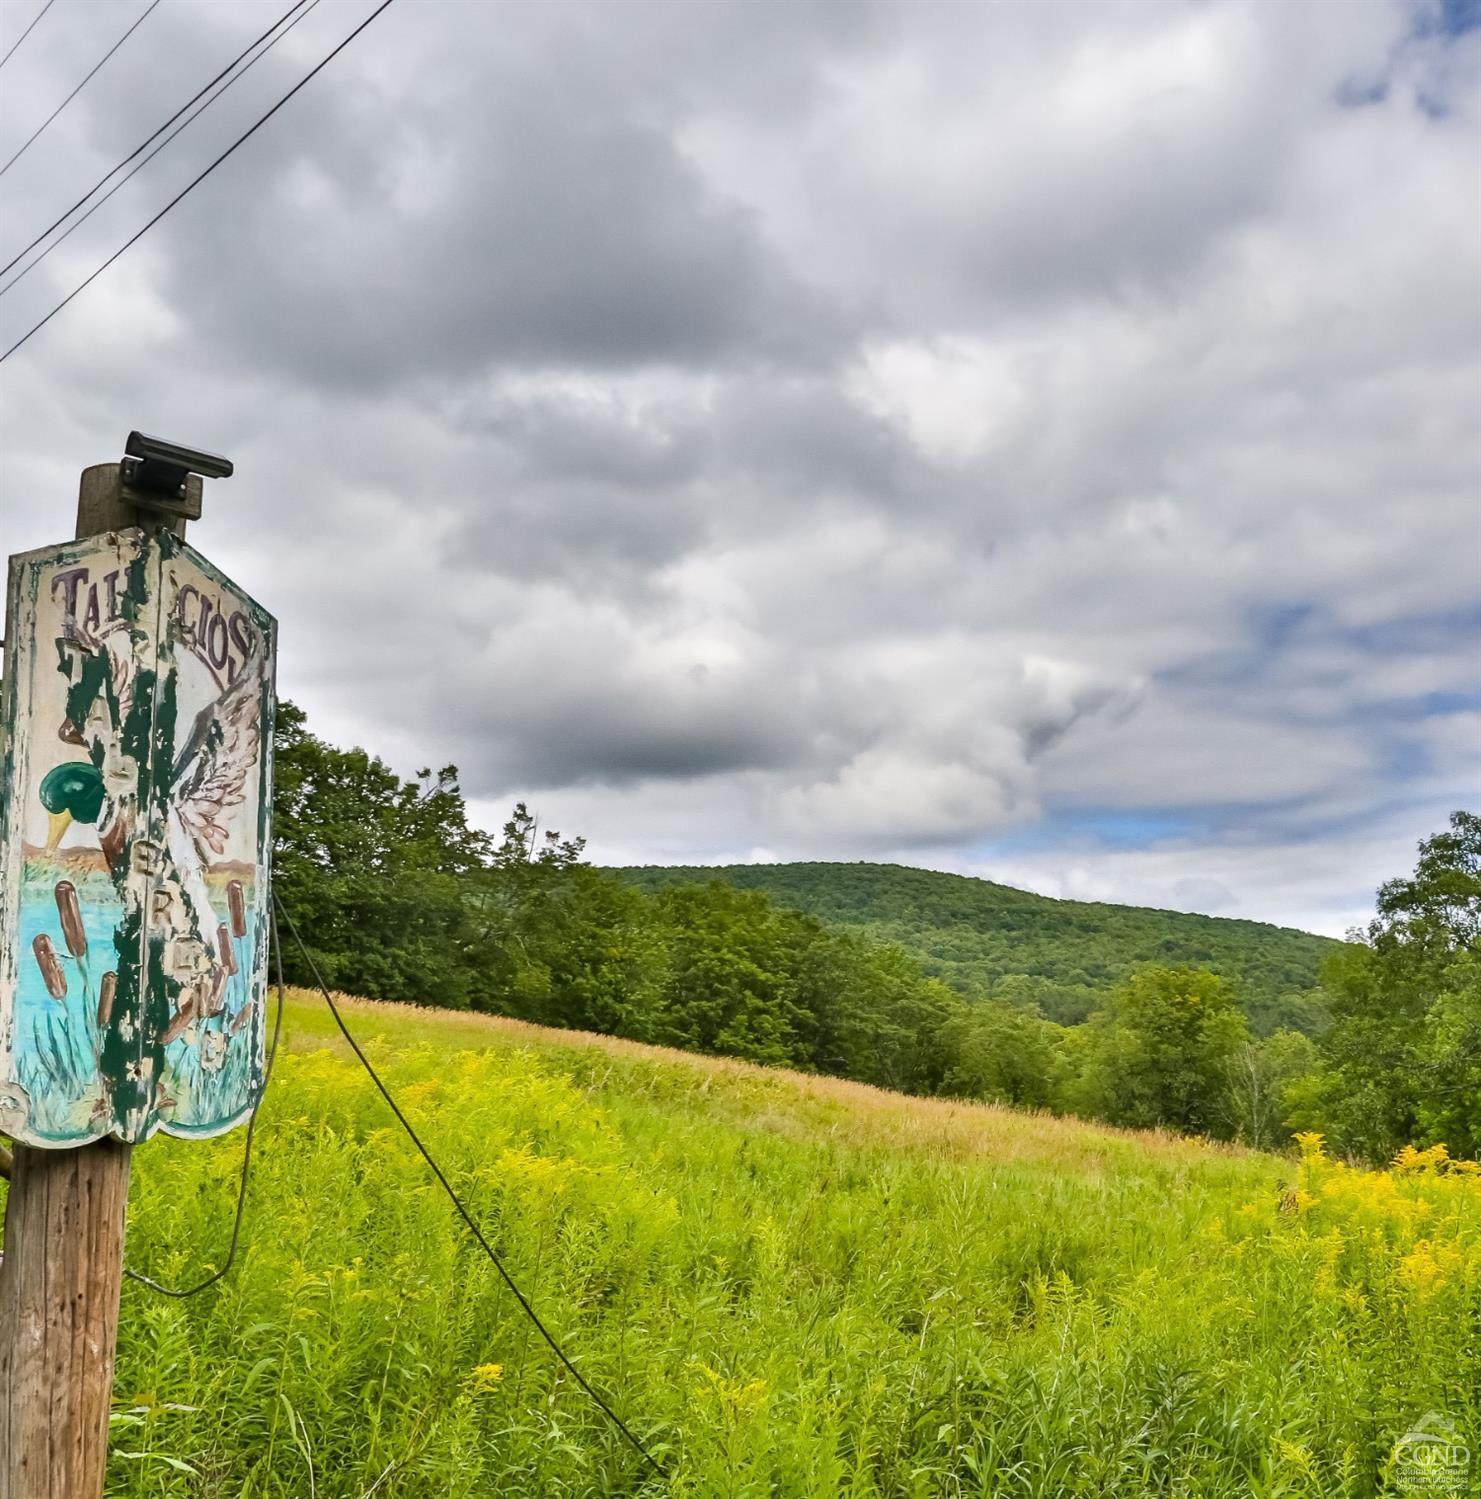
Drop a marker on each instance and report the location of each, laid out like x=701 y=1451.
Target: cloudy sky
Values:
x=1035 y=440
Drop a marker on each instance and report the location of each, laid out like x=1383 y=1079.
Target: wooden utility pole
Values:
x=62 y=1269
x=59 y=1289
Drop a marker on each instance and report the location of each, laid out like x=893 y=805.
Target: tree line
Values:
x=400 y=897
x=1063 y=956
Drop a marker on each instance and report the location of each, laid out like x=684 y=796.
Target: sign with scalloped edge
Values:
x=135 y=838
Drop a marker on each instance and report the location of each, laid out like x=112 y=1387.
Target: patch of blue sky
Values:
x=1450 y=18
x=1276 y=625
x=1109 y=827
x=1290 y=820
x=1437 y=20
x=1276 y=629
x=1442 y=704
x=1404 y=759
x=1273 y=628
x=1405 y=755
x=1441 y=630
x=1401 y=711
x=1408 y=799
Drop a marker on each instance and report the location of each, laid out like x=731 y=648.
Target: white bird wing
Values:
x=210 y=776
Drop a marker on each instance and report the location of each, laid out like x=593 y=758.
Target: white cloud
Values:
x=894 y=430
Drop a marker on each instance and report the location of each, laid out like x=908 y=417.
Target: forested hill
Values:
x=819 y=967
x=984 y=938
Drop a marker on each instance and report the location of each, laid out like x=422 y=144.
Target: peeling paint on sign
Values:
x=134 y=843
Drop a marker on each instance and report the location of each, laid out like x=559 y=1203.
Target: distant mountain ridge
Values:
x=1063 y=955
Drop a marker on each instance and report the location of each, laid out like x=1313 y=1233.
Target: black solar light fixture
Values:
x=161 y=475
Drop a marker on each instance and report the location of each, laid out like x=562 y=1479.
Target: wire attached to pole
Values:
x=236 y=1226
x=29 y=29
x=457 y=1201
x=195 y=182
x=31 y=139
x=144 y=145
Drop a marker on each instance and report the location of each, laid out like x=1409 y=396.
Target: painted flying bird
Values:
x=207 y=781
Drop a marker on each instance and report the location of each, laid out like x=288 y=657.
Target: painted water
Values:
x=207 y=1075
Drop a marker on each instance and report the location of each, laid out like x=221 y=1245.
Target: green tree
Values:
x=869 y=1011
x=731 y=985
x=1160 y=1053
x=1259 y=1077
x=1403 y=1054
x=1001 y=1052
x=373 y=869
x=524 y=899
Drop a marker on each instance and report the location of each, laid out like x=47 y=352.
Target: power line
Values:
x=457 y=1201
x=139 y=166
x=195 y=182
x=29 y=29
x=144 y=145
x=236 y=1223
x=70 y=97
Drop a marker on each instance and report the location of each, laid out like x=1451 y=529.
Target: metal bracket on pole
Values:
x=159 y=475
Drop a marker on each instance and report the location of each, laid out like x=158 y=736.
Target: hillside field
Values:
x=787 y=1285
x=985 y=938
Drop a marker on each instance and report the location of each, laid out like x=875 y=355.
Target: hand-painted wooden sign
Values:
x=134 y=843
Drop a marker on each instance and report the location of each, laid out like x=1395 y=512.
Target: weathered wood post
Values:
x=59 y=1289
x=62 y=1270
x=62 y=1267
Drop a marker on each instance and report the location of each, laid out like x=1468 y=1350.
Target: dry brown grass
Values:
x=785 y=1101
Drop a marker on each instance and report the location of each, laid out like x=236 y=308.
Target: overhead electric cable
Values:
x=67 y=233
x=236 y=1223
x=196 y=181
x=29 y=29
x=70 y=97
x=144 y=145
x=457 y=1201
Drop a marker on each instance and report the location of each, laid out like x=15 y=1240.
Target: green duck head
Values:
x=71 y=792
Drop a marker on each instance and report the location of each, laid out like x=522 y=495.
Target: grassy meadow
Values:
x=787 y=1285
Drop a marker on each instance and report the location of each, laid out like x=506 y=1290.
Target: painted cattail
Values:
x=182 y=1017
x=71 y=914
x=217 y=996
x=50 y=966
x=106 y=992
x=240 y=1019
x=224 y=947
x=236 y=899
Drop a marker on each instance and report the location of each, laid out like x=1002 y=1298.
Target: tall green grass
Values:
x=787 y=1286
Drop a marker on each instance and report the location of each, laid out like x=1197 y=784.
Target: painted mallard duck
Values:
x=72 y=792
